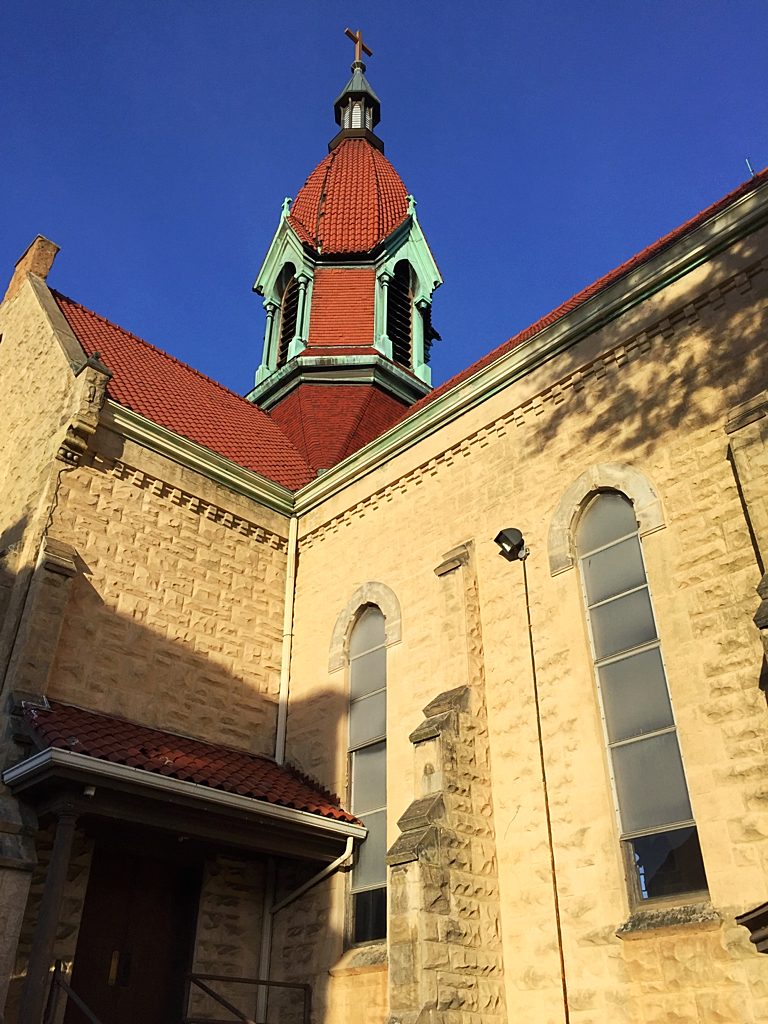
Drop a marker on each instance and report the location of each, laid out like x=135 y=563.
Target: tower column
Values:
x=299 y=340
x=420 y=367
x=269 y=357
x=383 y=342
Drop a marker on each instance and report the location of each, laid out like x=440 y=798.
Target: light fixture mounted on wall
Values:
x=511 y=545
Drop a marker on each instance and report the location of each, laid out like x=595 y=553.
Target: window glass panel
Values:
x=370 y=915
x=614 y=570
x=369 y=778
x=668 y=863
x=635 y=696
x=368 y=673
x=650 y=783
x=609 y=517
x=371 y=868
x=367 y=719
x=622 y=624
x=368 y=632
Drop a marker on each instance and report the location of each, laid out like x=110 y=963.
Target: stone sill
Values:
x=369 y=959
x=669 y=918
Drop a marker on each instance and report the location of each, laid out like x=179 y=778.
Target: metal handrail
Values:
x=58 y=983
x=200 y=979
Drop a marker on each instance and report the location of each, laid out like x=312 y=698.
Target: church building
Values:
x=356 y=699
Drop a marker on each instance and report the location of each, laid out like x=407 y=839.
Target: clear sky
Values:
x=154 y=141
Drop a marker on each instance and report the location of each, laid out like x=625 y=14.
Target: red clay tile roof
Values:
x=67 y=727
x=172 y=394
x=591 y=290
x=328 y=422
x=342 y=307
x=352 y=200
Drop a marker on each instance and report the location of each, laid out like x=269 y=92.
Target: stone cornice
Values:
x=195 y=457
x=722 y=230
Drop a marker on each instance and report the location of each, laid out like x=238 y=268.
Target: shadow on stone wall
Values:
x=117 y=664
x=669 y=394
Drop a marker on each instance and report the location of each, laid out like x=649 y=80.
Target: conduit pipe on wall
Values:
x=271 y=908
x=285 y=658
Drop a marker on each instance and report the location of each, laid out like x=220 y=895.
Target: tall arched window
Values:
x=368 y=771
x=289 y=309
x=654 y=809
x=400 y=313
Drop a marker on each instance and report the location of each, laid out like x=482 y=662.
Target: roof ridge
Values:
x=592 y=289
x=155 y=348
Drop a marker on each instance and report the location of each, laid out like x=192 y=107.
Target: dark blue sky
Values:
x=545 y=143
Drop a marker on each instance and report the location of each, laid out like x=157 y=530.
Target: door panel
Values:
x=135 y=939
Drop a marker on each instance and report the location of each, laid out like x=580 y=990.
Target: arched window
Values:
x=400 y=313
x=289 y=309
x=654 y=809
x=368 y=771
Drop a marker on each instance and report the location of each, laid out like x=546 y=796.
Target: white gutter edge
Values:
x=194 y=456
x=285 y=659
x=95 y=766
x=690 y=251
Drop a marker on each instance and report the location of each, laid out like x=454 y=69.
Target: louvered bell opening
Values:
x=369 y=118
x=290 y=309
x=347 y=116
x=357 y=115
x=400 y=313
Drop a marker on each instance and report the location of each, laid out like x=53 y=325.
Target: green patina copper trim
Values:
x=193 y=456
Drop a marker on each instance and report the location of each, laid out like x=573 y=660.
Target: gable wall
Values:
x=652 y=390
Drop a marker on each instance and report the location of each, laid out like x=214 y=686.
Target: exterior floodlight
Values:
x=512 y=545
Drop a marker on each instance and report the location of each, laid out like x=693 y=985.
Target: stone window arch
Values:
x=370 y=593
x=606 y=476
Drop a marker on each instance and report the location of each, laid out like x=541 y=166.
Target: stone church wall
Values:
x=38 y=397
x=174 y=618
x=33 y=411
x=651 y=391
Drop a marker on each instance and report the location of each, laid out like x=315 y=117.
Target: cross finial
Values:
x=360 y=47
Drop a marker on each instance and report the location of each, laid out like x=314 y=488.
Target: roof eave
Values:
x=717 y=233
x=53 y=761
x=159 y=439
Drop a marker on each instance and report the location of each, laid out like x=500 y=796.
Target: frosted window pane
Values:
x=368 y=673
x=371 y=868
x=609 y=517
x=368 y=632
x=635 y=697
x=622 y=624
x=369 y=778
x=367 y=719
x=614 y=570
x=650 y=783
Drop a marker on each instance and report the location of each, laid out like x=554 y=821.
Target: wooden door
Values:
x=135 y=939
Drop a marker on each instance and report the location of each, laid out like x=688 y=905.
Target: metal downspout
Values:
x=271 y=908
x=285 y=661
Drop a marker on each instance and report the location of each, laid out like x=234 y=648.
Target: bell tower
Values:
x=347 y=284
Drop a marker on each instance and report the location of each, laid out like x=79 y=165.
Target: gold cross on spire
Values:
x=360 y=47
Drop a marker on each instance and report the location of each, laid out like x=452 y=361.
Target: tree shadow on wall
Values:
x=669 y=385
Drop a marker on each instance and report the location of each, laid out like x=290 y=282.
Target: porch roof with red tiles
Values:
x=174 y=395
x=94 y=734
